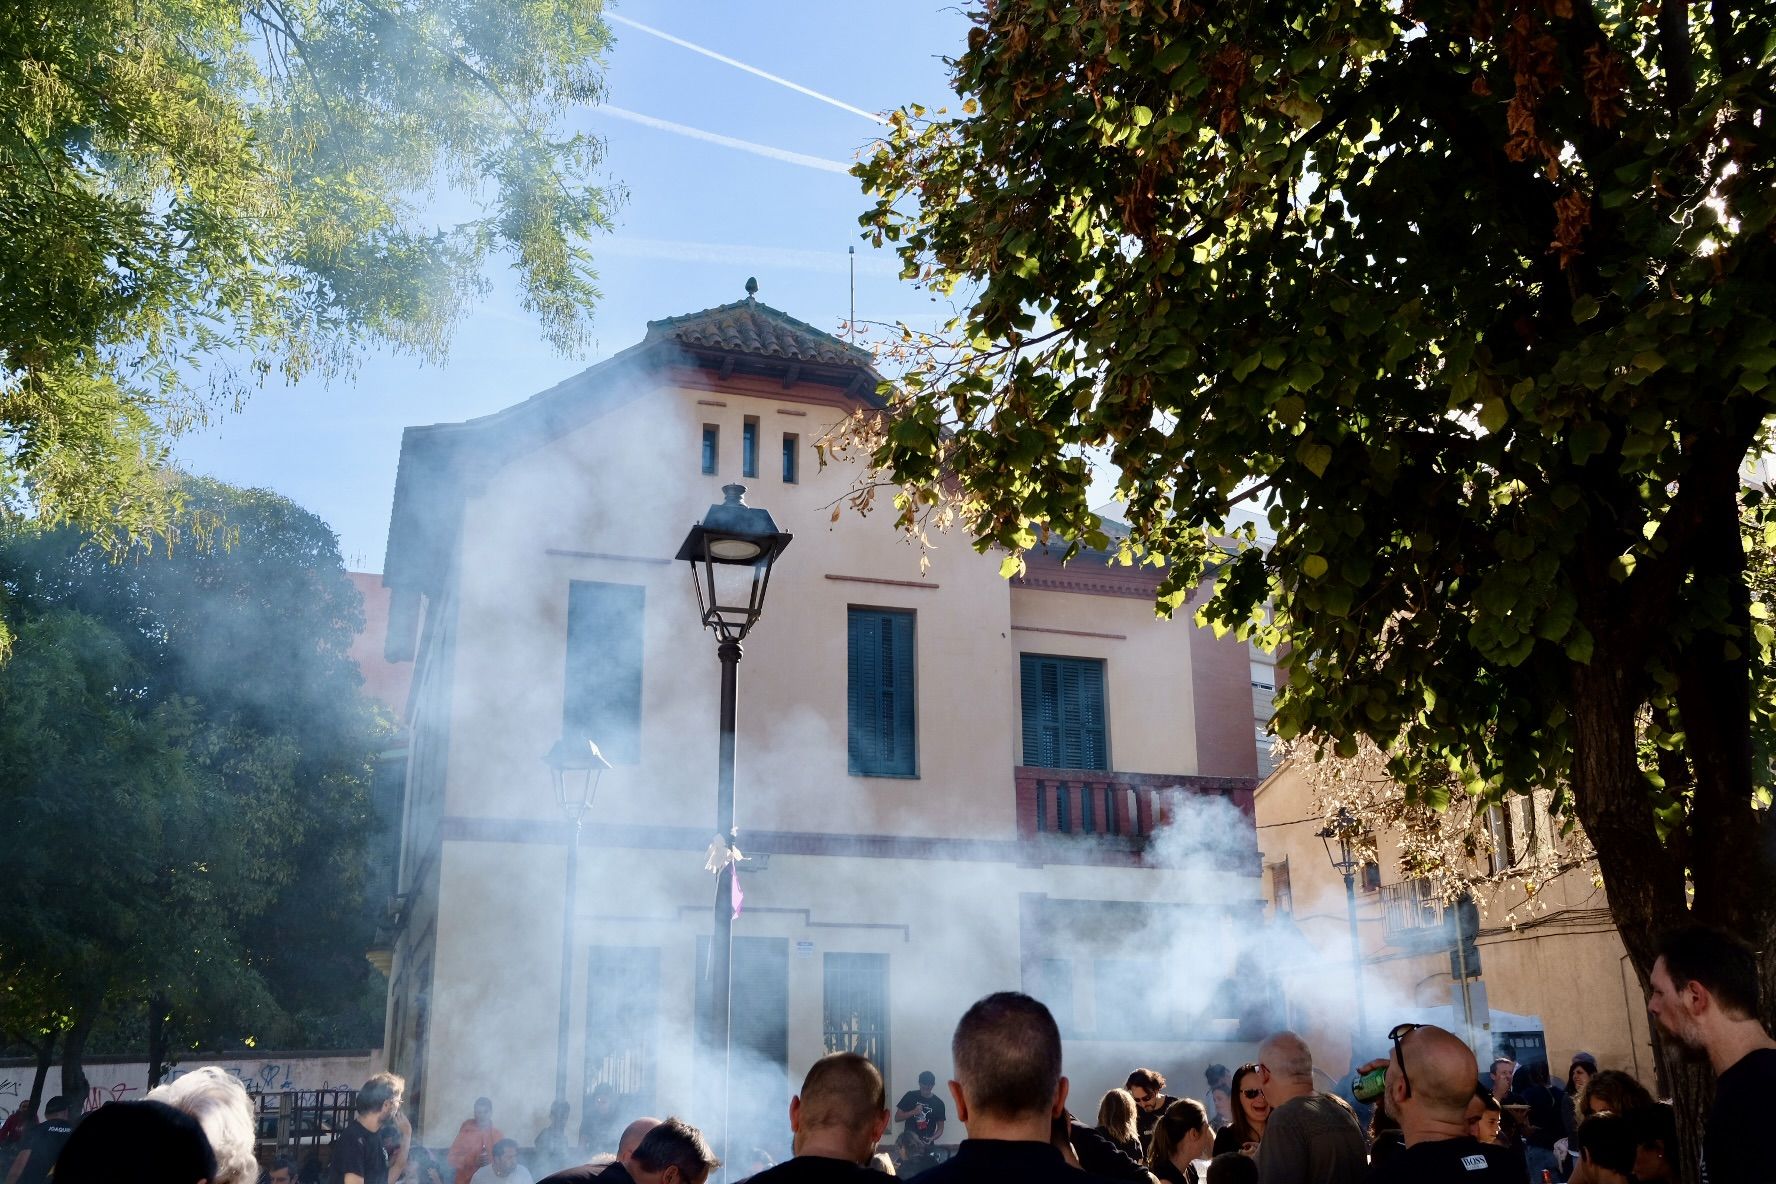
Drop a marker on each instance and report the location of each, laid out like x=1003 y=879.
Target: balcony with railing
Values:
x=1414 y=916
x=1095 y=816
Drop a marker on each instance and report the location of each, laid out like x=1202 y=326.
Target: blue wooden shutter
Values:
x=882 y=694
x=1063 y=712
x=602 y=697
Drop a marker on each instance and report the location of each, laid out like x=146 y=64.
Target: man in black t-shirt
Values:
x=42 y=1143
x=923 y=1113
x=358 y=1155
x=838 y=1118
x=1705 y=998
x=1430 y=1080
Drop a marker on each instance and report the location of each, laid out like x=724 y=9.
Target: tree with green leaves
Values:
x=185 y=759
x=194 y=196
x=1476 y=299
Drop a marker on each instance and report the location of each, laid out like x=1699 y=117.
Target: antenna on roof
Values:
x=752 y=287
x=851 y=325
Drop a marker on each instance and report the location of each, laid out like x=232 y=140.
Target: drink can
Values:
x=1370 y=1085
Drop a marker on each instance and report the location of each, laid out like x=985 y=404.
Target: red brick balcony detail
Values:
x=1103 y=817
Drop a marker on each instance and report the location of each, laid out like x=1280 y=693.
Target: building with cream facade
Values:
x=949 y=784
x=1551 y=977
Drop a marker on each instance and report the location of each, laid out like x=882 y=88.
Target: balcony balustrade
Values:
x=1111 y=817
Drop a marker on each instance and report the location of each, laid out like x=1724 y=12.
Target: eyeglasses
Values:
x=1399 y=1033
x=1249 y=1094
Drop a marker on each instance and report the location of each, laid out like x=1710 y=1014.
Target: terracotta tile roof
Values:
x=748 y=327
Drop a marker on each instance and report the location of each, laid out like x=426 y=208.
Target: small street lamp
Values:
x=575 y=767
x=1343 y=828
x=731 y=553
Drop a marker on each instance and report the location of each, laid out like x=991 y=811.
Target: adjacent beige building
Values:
x=949 y=783
x=1554 y=978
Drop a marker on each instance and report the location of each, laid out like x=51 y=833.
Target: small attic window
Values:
x=749 y=447
x=711 y=446
x=790 y=443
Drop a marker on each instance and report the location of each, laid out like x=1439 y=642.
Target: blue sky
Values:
x=701 y=217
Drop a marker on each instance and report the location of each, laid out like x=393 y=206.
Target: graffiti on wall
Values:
x=132 y=1080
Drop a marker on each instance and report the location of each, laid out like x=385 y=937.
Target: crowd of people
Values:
x=1431 y=1117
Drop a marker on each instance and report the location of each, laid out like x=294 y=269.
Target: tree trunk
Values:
x=45 y=1055
x=1717 y=870
x=75 y=1087
x=157 y=1032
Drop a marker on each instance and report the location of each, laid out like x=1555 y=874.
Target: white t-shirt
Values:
x=486 y=1175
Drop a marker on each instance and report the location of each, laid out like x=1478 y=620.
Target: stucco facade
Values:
x=1558 y=969
x=921 y=893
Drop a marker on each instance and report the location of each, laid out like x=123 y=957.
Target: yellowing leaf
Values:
x=1314 y=566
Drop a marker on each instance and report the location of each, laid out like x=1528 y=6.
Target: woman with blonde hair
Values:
x=1180 y=1138
x=219 y=1103
x=1116 y=1122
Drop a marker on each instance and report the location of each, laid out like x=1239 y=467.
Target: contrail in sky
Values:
x=679 y=129
x=710 y=53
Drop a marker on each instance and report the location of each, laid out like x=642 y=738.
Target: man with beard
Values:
x=1705 y=998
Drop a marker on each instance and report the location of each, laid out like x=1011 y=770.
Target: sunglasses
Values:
x=1249 y=1094
x=1398 y=1034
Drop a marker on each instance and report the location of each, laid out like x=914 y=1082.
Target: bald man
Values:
x=1310 y=1137
x=602 y=1169
x=838 y=1119
x=1430 y=1081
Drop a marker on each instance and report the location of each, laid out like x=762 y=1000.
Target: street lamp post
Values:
x=731 y=553
x=1343 y=827
x=575 y=767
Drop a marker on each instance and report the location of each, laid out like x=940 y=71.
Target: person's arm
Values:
x=902 y=1113
x=398 y=1161
x=937 y=1131
x=24 y=1157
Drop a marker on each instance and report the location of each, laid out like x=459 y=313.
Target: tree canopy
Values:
x=194 y=196
x=184 y=768
x=1474 y=298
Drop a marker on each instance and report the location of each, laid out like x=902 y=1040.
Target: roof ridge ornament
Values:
x=752 y=287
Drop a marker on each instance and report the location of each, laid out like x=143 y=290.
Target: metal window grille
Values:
x=856 y=1006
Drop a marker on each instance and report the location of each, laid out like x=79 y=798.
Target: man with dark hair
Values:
x=472 y=1149
x=1147 y=1087
x=281 y=1171
x=1705 y=998
x=146 y=1142
x=1430 y=1081
x=838 y=1118
x=923 y=1112
x=358 y=1155
x=1606 y=1151
x=504 y=1167
x=1008 y=1091
x=42 y=1143
x=672 y=1153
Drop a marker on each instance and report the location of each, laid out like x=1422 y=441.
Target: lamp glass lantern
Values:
x=575 y=766
x=1341 y=827
x=731 y=553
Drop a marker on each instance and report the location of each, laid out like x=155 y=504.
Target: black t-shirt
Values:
x=1449 y=1161
x=927 y=1113
x=817 y=1169
x=1736 y=1145
x=614 y=1173
x=358 y=1152
x=1002 y=1161
x=44 y=1142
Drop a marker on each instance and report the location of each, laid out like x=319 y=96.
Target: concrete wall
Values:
x=114 y=1080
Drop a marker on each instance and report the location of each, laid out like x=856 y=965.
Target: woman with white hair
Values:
x=221 y=1106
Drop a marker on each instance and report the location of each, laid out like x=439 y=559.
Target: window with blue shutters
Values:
x=1064 y=719
x=603 y=693
x=883 y=734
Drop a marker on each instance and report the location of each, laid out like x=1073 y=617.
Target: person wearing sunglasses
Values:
x=1310 y=1137
x=1249 y=1113
x=1430 y=1081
